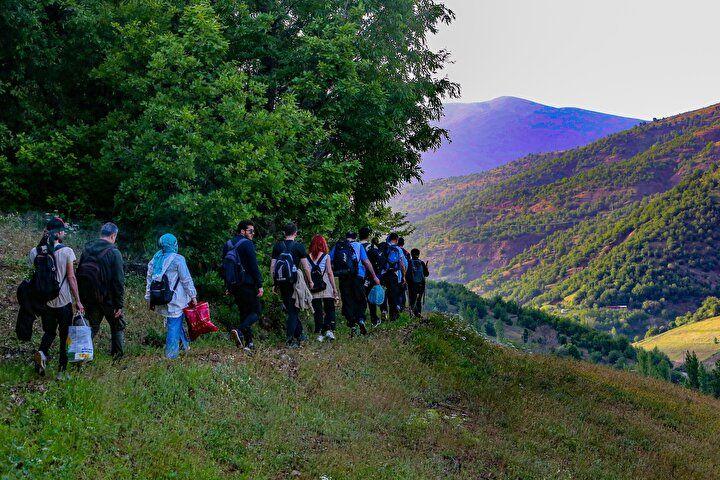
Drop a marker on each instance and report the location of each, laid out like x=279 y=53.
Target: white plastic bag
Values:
x=79 y=341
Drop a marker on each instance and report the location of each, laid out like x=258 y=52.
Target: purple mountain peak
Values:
x=485 y=135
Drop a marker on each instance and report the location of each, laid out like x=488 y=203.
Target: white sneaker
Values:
x=330 y=335
x=320 y=338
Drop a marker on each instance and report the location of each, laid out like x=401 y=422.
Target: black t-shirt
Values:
x=296 y=249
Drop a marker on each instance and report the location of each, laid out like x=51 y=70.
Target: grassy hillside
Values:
x=479 y=224
x=423 y=399
x=700 y=337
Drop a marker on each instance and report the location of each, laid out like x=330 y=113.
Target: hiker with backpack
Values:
x=54 y=284
x=323 y=291
x=393 y=272
x=372 y=250
x=350 y=262
x=243 y=281
x=417 y=273
x=289 y=256
x=404 y=293
x=168 y=289
x=101 y=281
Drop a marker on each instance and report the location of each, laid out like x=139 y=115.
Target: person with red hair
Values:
x=324 y=292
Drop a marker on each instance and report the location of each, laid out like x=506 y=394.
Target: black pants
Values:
x=354 y=301
x=249 y=307
x=324 y=314
x=416 y=292
x=393 y=294
x=293 y=325
x=56 y=321
x=95 y=315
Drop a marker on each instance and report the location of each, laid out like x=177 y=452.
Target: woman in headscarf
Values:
x=167 y=261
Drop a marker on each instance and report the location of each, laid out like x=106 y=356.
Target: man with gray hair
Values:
x=102 y=286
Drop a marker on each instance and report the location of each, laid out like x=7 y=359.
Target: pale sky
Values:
x=638 y=58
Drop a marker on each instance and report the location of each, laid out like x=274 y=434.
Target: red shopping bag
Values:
x=198 y=320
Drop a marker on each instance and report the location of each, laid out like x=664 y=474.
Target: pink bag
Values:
x=198 y=320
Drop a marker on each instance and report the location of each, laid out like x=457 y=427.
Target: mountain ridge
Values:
x=484 y=135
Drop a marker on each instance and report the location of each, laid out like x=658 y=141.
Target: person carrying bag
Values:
x=168 y=268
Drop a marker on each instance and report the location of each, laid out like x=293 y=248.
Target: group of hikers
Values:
x=364 y=274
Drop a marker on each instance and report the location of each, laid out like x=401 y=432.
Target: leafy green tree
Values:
x=500 y=329
x=490 y=329
x=692 y=367
x=525 y=335
x=164 y=114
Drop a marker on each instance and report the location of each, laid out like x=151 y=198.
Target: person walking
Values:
x=324 y=293
x=417 y=273
x=54 y=266
x=350 y=263
x=101 y=281
x=288 y=257
x=373 y=254
x=393 y=274
x=168 y=272
x=404 y=285
x=246 y=285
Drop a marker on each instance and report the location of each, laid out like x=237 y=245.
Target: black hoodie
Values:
x=115 y=274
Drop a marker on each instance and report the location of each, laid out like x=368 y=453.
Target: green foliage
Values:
x=692 y=367
x=490 y=329
x=167 y=115
x=709 y=308
x=653 y=363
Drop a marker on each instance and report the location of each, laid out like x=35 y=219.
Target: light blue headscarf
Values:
x=168 y=245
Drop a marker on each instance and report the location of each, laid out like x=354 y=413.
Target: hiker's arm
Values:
x=118 y=283
x=252 y=265
x=272 y=267
x=369 y=267
x=306 y=268
x=148 y=280
x=72 y=281
x=331 y=276
x=426 y=272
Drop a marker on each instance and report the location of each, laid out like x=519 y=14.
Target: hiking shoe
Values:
x=330 y=335
x=363 y=328
x=303 y=337
x=62 y=376
x=293 y=343
x=40 y=363
x=237 y=338
x=320 y=338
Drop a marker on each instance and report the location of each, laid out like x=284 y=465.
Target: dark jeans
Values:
x=248 y=305
x=95 y=315
x=56 y=321
x=324 y=314
x=354 y=301
x=416 y=293
x=393 y=294
x=293 y=325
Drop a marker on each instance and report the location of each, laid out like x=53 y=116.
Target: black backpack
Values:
x=317 y=275
x=45 y=285
x=373 y=253
x=417 y=275
x=92 y=281
x=160 y=291
x=233 y=271
x=345 y=261
x=285 y=272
